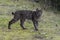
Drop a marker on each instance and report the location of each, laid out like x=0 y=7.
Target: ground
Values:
x=49 y=24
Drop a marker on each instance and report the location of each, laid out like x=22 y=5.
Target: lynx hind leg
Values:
x=12 y=21
x=22 y=23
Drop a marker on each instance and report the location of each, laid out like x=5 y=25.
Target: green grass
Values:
x=47 y=25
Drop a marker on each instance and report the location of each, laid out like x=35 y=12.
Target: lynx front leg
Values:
x=35 y=24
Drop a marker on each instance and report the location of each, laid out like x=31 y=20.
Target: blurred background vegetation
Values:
x=55 y=4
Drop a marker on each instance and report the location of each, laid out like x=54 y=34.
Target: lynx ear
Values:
x=37 y=9
x=12 y=13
